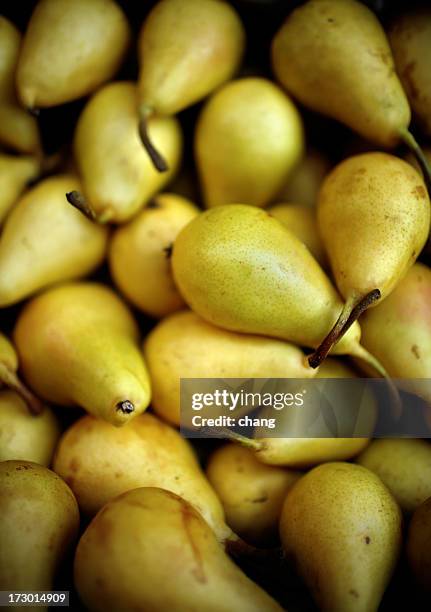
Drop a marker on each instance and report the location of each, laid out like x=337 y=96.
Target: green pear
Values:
x=410 y=39
x=39 y=521
x=404 y=466
x=185 y=346
x=118 y=176
x=100 y=461
x=419 y=545
x=78 y=345
x=15 y=172
x=304 y=181
x=69 y=49
x=139 y=254
x=374 y=218
x=23 y=435
x=44 y=241
x=248 y=138
x=251 y=492
x=150 y=550
x=187 y=48
x=342 y=529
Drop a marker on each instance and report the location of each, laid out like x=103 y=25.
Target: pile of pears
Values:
x=211 y=189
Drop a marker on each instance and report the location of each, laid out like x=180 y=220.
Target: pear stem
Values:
x=126 y=407
x=158 y=160
x=9 y=378
x=81 y=203
x=408 y=139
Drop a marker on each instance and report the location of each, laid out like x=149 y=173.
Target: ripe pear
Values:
x=44 y=240
x=18 y=129
x=302 y=222
x=252 y=493
x=139 y=254
x=185 y=346
x=24 y=435
x=78 y=345
x=404 y=466
x=117 y=174
x=342 y=529
x=304 y=181
x=99 y=462
x=151 y=550
x=187 y=48
x=410 y=39
x=419 y=545
x=39 y=521
x=69 y=49
x=15 y=173
x=374 y=218
x=248 y=138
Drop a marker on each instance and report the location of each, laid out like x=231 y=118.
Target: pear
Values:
x=100 y=461
x=15 y=173
x=334 y=57
x=23 y=435
x=18 y=129
x=185 y=346
x=374 y=219
x=252 y=493
x=248 y=138
x=419 y=545
x=342 y=529
x=69 y=49
x=151 y=550
x=77 y=345
x=39 y=521
x=410 y=39
x=117 y=174
x=187 y=48
x=139 y=254
x=44 y=240
x=404 y=465
x=305 y=179
x=302 y=222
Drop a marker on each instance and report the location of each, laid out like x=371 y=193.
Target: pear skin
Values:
x=139 y=254
x=150 y=550
x=99 y=462
x=185 y=346
x=69 y=49
x=419 y=545
x=15 y=172
x=304 y=181
x=78 y=345
x=23 y=435
x=248 y=137
x=44 y=241
x=342 y=529
x=118 y=176
x=39 y=521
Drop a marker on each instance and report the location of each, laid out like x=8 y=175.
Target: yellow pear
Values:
x=39 y=521
x=185 y=346
x=150 y=550
x=118 y=176
x=187 y=48
x=78 y=345
x=248 y=138
x=302 y=222
x=252 y=493
x=18 y=129
x=419 y=545
x=15 y=173
x=374 y=219
x=23 y=435
x=139 y=254
x=410 y=38
x=44 y=240
x=69 y=49
x=99 y=462
x=305 y=179
x=342 y=529
x=404 y=465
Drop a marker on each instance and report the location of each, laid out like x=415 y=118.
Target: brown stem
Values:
x=126 y=407
x=10 y=379
x=158 y=160
x=414 y=147
x=79 y=201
